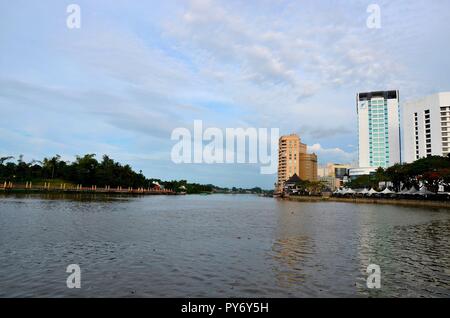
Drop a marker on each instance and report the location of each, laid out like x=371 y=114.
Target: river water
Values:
x=219 y=246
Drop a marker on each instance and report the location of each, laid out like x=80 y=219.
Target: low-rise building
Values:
x=338 y=170
x=354 y=173
x=331 y=183
x=322 y=172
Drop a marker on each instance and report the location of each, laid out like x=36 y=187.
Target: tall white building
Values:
x=426 y=127
x=379 y=129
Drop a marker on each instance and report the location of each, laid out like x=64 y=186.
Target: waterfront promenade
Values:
x=28 y=187
x=368 y=200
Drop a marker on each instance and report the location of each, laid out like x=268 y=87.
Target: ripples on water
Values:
x=219 y=246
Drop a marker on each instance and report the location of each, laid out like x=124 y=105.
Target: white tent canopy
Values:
x=372 y=191
x=349 y=191
x=412 y=191
x=424 y=191
x=364 y=191
x=387 y=191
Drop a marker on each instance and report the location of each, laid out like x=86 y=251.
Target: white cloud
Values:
x=265 y=63
x=323 y=50
x=328 y=154
x=134 y=72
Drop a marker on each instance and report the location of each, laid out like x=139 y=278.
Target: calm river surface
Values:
x=219 y=246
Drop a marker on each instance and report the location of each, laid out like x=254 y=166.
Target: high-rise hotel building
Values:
x=379 y=129
x=289 y=148
x=294 y=159
x=426 y=127
x=308 y=166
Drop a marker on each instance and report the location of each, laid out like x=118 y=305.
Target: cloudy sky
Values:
x=136 y=70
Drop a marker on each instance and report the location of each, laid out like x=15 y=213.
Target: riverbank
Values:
x=130 y=191
x=404 y=202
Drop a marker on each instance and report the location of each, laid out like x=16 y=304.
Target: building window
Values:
x=427 y=123
x=416 y=128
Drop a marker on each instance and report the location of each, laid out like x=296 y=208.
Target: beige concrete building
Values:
x=322 y=172
x=330 y=182
x=337 y=170
x=288 y=150
x=293 y=159
x=308 y=166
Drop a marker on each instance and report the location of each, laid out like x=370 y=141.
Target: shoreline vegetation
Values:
x=424 y=182
x=86 y=174
x=433 y=172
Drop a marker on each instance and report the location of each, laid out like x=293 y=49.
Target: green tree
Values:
x=51 y=165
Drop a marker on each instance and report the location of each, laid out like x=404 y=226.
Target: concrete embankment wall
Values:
x=421 y=203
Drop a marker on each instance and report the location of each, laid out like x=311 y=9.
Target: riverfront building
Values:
x=426 y=127
x=330 y=182
x=288 y=149
x=378 y=128
x=322 y=172
x=294 y=159
x=308 y=166
x=354 y=173
x=338 y=170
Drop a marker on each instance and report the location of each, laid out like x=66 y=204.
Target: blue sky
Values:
x=136 y=70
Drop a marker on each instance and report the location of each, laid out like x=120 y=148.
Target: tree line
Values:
x=432 y=172
x=307 y=187
x=87 y=170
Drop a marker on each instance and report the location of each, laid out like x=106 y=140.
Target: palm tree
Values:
x=52 y=163
x=3 y=159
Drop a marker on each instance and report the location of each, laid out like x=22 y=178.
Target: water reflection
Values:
x=411 y=255
x=325 y=252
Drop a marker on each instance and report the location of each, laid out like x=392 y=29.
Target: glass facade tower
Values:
x=378 y=129
x=378 y=133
